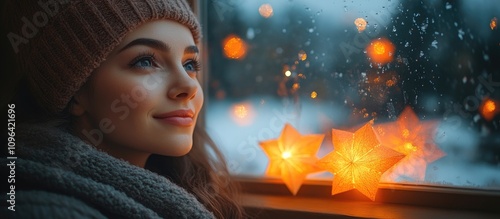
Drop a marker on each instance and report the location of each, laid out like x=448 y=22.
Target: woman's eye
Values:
x=192 y=66
x=144 y=61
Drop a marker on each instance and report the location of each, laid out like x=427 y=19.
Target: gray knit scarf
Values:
x=62 y=163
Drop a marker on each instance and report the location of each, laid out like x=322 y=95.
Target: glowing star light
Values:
x=413 y=138
x=358 y=161
x=292 y=156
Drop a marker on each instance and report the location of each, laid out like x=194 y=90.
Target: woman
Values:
x=111 y=106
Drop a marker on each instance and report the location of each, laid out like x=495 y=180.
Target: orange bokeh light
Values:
x=380 y=51
x=360 y=24
x=493 y=23
x=242 y=113
x=314 y=94
x=234 y=47
x=266 y=10
x=489 y=109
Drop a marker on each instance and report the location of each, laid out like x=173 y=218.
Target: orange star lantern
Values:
x=292 y=156
x=413 y=138
x=358 y=161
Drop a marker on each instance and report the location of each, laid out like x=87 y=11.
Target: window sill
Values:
x=269 y=198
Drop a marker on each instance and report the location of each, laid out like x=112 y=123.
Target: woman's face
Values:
x=145 y=98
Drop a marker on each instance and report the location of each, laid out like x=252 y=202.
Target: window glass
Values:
x=323 y=65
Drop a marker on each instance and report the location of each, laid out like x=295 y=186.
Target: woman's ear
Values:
x=78 y=103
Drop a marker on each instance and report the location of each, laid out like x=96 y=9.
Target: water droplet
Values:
x=448 y=6
x=461 y=34
x=434 y=44
x=311 y=30
x=486 y=57
x=250 y=33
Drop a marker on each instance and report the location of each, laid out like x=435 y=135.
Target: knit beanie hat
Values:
x=59 y=43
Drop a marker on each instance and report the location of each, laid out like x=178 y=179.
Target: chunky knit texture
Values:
x=58 y=43
x=68 y=172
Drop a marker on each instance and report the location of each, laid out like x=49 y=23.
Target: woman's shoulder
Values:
x=44 y=204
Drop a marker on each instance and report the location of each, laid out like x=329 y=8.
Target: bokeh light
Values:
x=302 y=55
x=489 y=109
x=314 y=94
x=266 y=10
x=380 y=51
x=493 y=23
x=242 y=113
x=360 y=24
x=288 y=73
x=234 y=47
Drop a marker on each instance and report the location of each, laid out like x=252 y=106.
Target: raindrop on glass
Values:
x=448 y=6
x=250 y=33
x=434 y=44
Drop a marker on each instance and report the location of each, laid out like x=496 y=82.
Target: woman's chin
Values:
x=178 y=151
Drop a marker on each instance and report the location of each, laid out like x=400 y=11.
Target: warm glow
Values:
x=358 y=161
x=314 y=94
x=288 y=73
x=414 y=138
x=489 y=106
x=292 y=156
x=242 y=113
x=380 y=51
x=405 y=133
x=286 y=155
x=493 y=23
x=360 y=24
x=266 y=10
x=489 y=109
x=409 y=147
x=390 y=83
x=234 y=47
x=295 y=86
x=302 y=55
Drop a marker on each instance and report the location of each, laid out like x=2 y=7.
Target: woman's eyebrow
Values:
x=156 y=44
x=191 y=50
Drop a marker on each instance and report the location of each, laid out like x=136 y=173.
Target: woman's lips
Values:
x=177 y=117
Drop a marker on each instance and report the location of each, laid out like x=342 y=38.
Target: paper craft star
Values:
x=292 y=156
x=413 y=138
x=358 y=161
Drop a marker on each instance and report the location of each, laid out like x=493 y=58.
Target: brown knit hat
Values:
x=58 y=43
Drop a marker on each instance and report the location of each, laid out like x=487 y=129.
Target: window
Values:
x=323 y=65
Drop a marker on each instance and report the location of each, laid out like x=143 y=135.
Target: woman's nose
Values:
x=183 y=86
